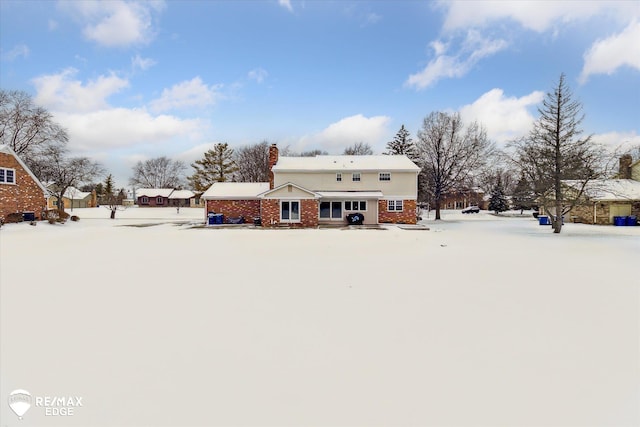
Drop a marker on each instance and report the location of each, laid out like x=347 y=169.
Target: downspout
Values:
x=595 y=215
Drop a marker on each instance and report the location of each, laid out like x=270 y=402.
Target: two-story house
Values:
x=309 y=191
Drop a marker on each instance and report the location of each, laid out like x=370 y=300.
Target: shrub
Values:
x=75 y=218
x=14 y=217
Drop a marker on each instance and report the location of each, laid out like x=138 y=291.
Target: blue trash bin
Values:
x=543 y=220
x=28 y=216
x=211 y=218
x=219 y=219
x=631 y=220
x=619 y=220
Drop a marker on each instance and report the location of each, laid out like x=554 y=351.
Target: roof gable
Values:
x=7 y=150
x=289 y=190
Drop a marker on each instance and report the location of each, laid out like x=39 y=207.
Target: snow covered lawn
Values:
x=480 y=321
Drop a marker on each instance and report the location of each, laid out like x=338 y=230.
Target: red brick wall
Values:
x=235 y=208
x=25 y=195
x=153 y=203
x=406 y=216
x=270 y=214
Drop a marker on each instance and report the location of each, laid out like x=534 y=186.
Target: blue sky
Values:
x=136 y=80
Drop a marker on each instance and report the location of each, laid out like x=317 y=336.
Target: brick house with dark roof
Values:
x=20 y=190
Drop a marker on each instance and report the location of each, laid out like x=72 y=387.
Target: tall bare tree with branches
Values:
x=160 y=172
x=252 y=162
x=450 y=153
x=27 y=128
x=554 y=153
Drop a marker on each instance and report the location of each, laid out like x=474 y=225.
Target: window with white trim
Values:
x=394 y=205
x=7 y=176
x=159 y=200
x=290 y=210
x=355 y=205
x=339 y=177
x=355 y=177
x=144 y=200
x=384 y=176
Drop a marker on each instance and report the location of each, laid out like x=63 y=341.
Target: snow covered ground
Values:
x=480 y=321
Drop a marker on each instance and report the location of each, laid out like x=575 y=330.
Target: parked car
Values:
x=471 y=209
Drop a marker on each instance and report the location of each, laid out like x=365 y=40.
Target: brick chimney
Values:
x=273 y=159
x=625 y=166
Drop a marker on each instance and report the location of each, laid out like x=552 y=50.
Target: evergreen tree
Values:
x=402 y=144
x=108 y=186
x=498 y=202
x=217 y=165
x=523 y=197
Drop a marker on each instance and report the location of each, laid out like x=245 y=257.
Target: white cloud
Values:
x=286 y=4
x=116 y=23
x=618 y=140
x=530 y=14
x=122 y=127
x=140 y=63
x=259 y=74
x=504 y=118
x=61 y=92
x=473 y=48
x=191 y=93
x=371 y=19
x=607 y=55
x=337 y=136
x=20 y=50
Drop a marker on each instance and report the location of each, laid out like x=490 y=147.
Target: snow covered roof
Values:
x=389 y=163
x=182 y=194
x=609 y=189
x=74 y=193
x=7 y=150
x=235 y=190
x=154 y=192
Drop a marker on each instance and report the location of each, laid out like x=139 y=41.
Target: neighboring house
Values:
x=181 y=198
x=73 y=198
x=605 y=199
x=20 y=190
x=464 y=198
x=197 y=201
x=308 y=191
x=153 y=197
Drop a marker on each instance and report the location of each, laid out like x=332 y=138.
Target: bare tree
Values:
x=450 y=153
x=252 y=162
x=27 y=128
x=358 y=149
x=160 y=172
x=553 y=153
x=64 y=172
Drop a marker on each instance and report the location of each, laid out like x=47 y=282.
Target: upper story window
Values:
x=384 y=176
x=339 y=177
x=355 y=177
x=7 y=176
